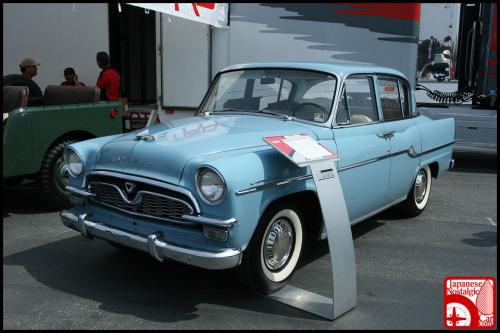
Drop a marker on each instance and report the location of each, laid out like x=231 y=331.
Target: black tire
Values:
x=254 y=271
x=415 y=204
x=51 y=188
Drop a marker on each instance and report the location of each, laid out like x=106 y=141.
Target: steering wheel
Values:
x=309 y=107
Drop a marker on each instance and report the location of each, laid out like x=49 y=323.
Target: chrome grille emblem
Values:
x=129 y=187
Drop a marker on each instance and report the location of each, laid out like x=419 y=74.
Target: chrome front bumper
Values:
x=153 y=244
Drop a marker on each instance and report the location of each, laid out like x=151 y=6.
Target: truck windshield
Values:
x=299 y=94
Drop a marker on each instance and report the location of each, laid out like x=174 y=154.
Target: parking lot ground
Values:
x=55 y=279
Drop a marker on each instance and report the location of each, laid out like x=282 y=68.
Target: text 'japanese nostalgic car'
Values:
x=209 y=192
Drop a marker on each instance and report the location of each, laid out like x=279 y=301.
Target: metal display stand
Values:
x=338 y=229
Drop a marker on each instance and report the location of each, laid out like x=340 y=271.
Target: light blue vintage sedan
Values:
x=209 y=192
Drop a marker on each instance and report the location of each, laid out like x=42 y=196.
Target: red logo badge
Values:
x=470 y=302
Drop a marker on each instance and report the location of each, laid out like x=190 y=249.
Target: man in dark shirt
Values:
x=108 y=80
x=29 y=69
x=71 y=79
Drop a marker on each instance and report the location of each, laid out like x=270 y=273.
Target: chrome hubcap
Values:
x=420 y=186
x=62 y=175
x=278 y=244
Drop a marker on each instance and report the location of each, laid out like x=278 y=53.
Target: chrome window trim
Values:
x=147 y=181
x=373 y=77
x=326 y=124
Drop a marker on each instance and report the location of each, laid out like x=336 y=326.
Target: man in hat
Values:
x=29 y=68
x=71 y=78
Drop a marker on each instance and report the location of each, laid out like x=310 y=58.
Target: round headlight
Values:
x=210 y=185
x=73 y=161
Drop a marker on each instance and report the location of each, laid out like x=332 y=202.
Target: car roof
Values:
x=341 y=68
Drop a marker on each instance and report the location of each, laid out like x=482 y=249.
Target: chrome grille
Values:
x=142 y=202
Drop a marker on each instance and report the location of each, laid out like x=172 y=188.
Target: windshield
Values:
x=300 y=94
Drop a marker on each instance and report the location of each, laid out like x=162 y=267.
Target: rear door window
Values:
x=388 y=90
x=357 y=104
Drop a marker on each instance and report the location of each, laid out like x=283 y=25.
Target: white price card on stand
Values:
x=300 y=148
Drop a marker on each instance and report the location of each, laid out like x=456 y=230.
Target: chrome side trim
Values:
x=154 y=244
x=408 y=151
x=359 y=219
x=79 y=192
x=147 y=181
x=273 y=183
x=364 y=217
x=229 y=223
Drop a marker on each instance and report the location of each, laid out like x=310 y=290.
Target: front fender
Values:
x=245 y=169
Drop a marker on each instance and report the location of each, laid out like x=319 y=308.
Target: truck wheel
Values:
x=54 y=177
x=419 y=194
x=274 y=251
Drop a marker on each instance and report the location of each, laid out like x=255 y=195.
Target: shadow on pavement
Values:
x=23 y=199
x=477 y=162
x=129 y=282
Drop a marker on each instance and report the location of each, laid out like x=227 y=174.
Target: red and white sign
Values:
x=300 y=149
x=470 y=302
x=212 y=13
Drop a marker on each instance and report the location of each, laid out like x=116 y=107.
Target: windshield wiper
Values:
x=281 y=115
x=223 y=110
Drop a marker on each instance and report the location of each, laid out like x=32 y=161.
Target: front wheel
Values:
x=54 y=177
x=274 y=251
x=419 y=194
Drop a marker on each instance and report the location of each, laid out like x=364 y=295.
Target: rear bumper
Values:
x=153 y=244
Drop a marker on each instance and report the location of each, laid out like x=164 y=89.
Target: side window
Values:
x=403 y=92
x=343 y=111
x=357 y=105
x=389 y=99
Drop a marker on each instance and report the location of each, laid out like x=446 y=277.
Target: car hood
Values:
x=161 y=151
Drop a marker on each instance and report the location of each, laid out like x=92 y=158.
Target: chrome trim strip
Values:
x=138 y=196
x=76 y=191
x=154 y=244
x=229 y=223
x=407 y=151
x=147 y=216
x=147 y=181
x=364 y=217
x=274 y=183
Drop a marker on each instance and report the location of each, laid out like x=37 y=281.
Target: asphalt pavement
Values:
x=53 y=278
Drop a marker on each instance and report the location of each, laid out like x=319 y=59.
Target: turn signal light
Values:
x=113 y=113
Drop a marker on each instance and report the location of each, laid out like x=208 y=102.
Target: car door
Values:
x=363 y=167
x=402 y=135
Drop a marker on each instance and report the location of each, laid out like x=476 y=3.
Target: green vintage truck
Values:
x=34 y=136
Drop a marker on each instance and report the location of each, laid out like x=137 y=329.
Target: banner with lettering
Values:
x=205 y=12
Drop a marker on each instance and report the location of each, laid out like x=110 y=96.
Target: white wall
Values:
x=57 y=36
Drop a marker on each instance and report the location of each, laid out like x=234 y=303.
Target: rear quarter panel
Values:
x=436 y=138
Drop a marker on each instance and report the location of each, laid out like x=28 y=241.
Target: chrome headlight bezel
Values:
x=72 y=153
x=198 y=177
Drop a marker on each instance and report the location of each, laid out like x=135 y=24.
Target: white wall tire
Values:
x=275 y=249
x=283 y=272
x=419 y=194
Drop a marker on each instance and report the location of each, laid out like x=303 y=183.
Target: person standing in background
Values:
x=108 y=80
x=71 y=78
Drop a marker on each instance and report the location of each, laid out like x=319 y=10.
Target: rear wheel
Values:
x=274 y=251
x=54 y=177
x=419 y=194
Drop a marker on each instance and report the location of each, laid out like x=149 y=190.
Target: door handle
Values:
x=386 y=135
